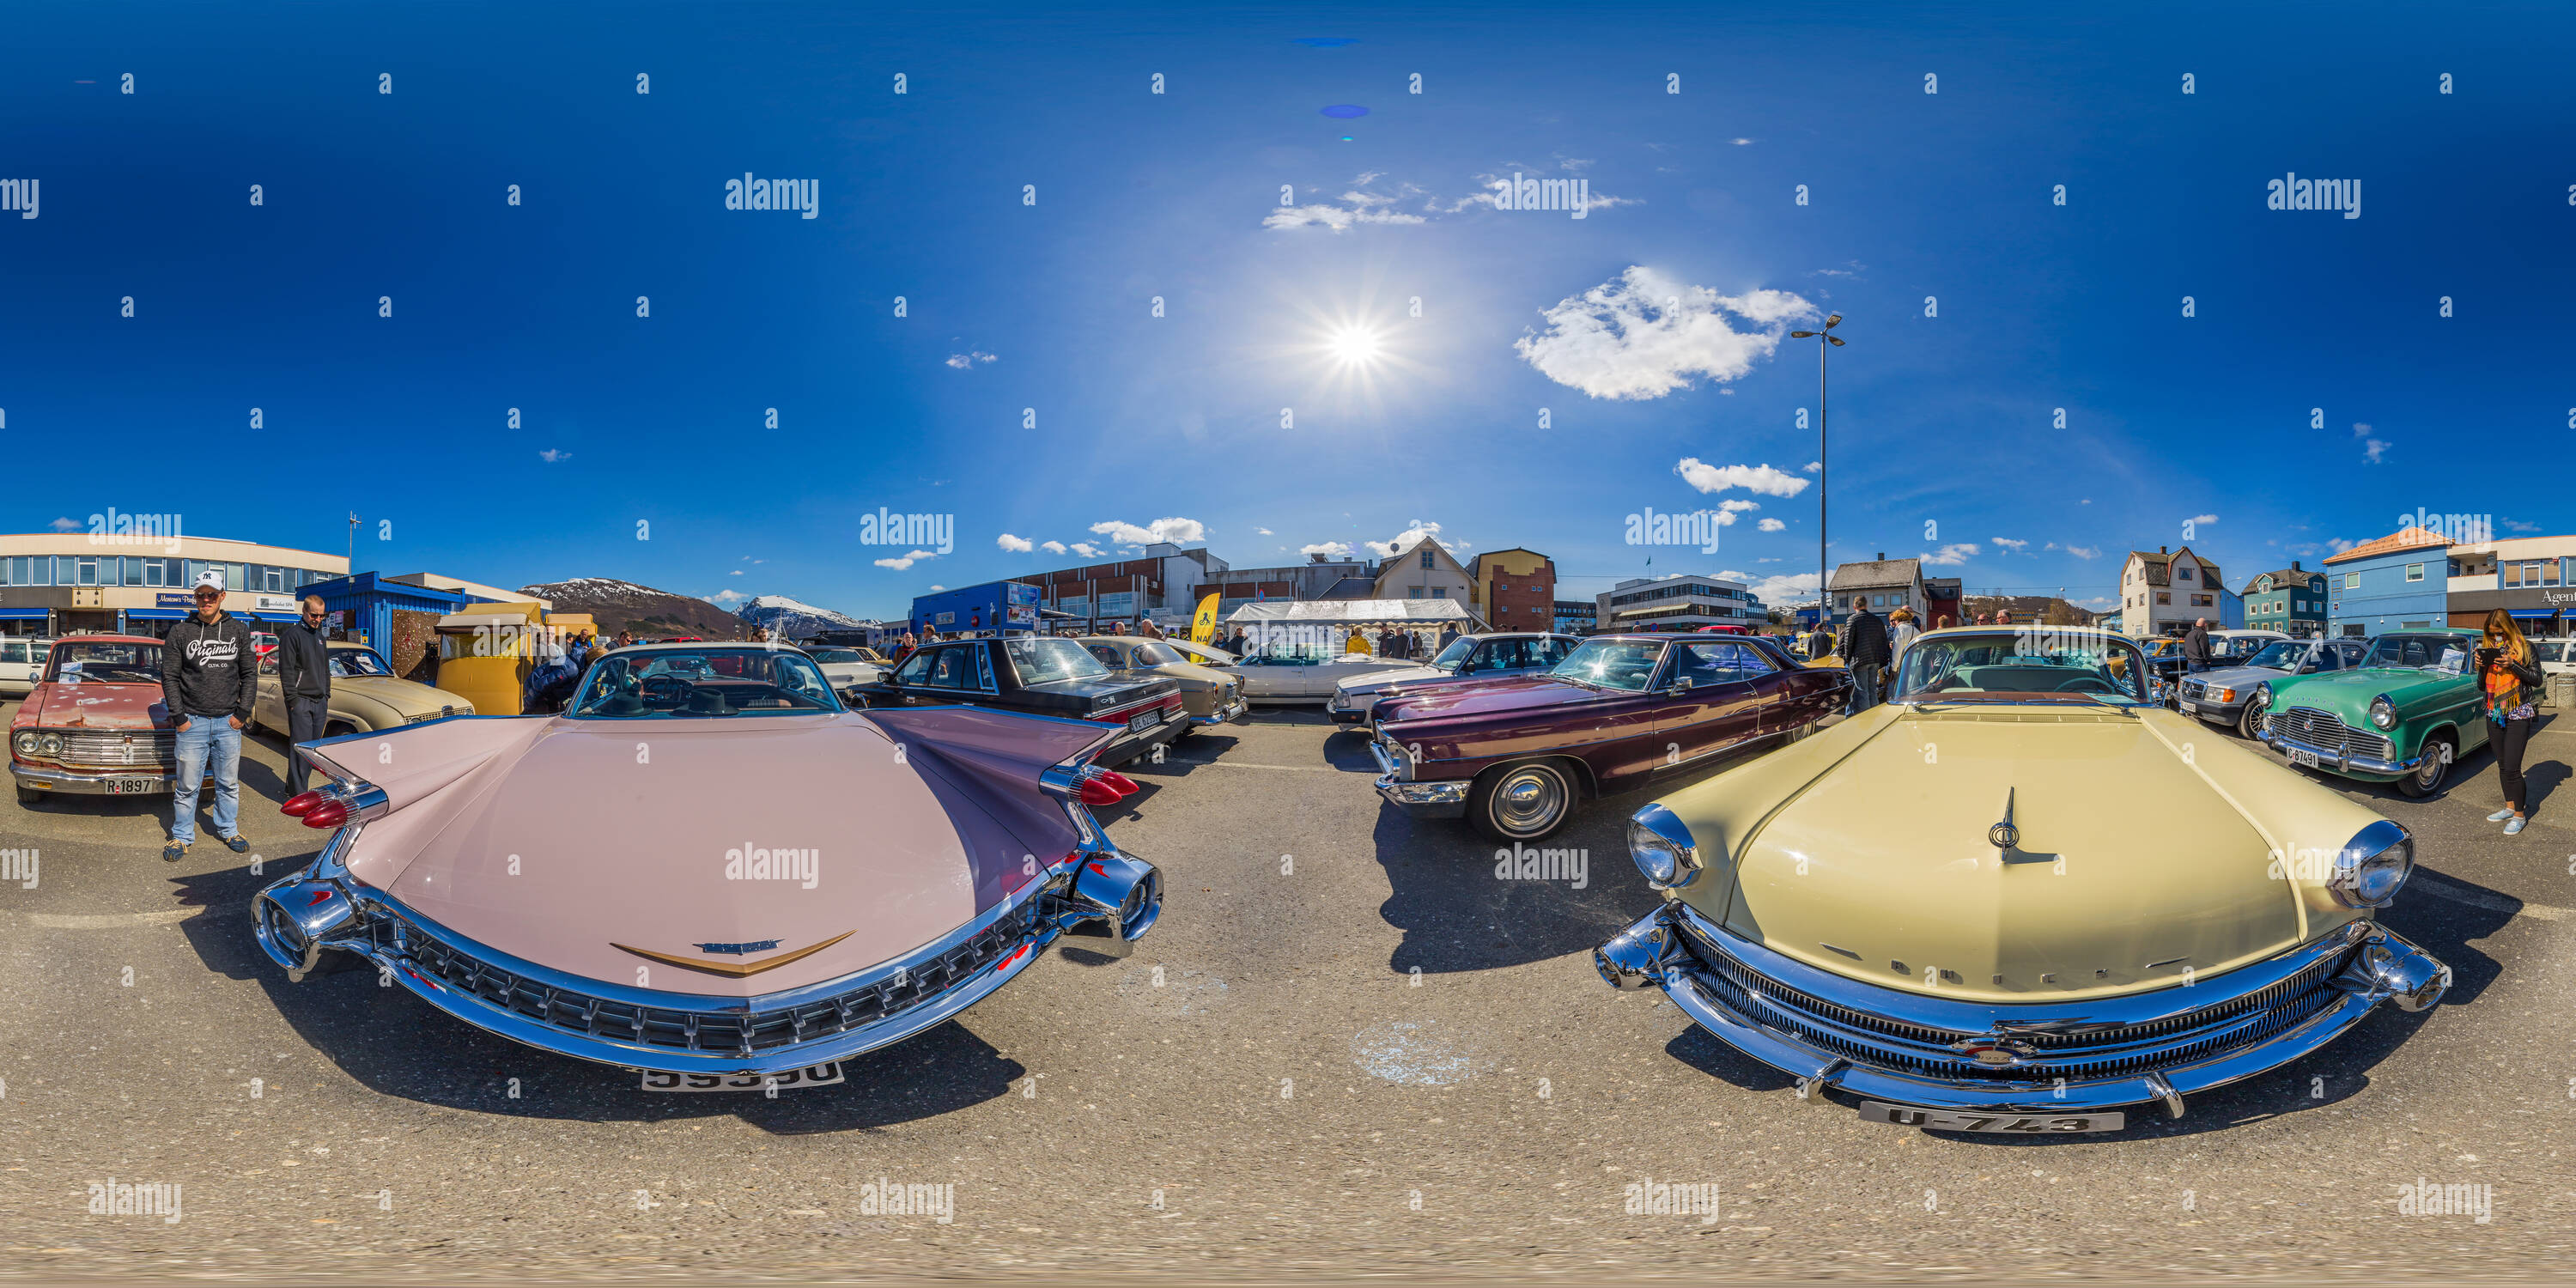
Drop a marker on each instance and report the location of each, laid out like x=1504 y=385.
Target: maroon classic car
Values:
x=1513 y=756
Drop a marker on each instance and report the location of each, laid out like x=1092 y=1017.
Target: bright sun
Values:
x=1355 y=346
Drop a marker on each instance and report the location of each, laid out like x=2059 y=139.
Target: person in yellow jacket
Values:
x=1359 y=642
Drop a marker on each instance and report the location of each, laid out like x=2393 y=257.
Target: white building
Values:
x=2165 y=592
x=1679 y=602
x=1425 y=570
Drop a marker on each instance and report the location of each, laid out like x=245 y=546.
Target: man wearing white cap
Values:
x=209 y=678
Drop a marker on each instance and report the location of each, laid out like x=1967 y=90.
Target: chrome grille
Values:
x=2327 y=732
x=120 y=749
x=2194 y=689
x=2125 y=1050
x=714 y=1030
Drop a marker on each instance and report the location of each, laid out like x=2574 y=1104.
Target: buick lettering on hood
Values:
x=2021 y=897
x=584 y=884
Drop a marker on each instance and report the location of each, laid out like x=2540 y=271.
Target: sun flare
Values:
x=1355 y=346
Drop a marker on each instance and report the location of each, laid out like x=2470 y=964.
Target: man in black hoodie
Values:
x=209 y=678
x=1865 y=654
x=304 y=681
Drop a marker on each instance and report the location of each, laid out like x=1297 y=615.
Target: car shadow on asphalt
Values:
x=397 y=1045
x=1459 y=911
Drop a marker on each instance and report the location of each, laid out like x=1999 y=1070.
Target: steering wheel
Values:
x=2088 y=684
x=666 y=690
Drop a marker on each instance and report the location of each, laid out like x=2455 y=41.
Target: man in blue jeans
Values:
x=209 y=678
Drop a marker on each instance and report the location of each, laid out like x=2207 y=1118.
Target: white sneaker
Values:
x=2501 y=815
x=2513 y=827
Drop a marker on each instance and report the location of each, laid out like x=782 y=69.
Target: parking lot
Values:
x=1348 y=1047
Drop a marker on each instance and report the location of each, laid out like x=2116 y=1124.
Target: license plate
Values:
x=133 y=786
x=820 y=1075
x=2307 y=758
x=2191 y=708
x=1145 y=721
x=2017 y=1124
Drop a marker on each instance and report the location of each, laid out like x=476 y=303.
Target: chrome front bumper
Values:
x=75 y=782
x=2337 y=761
x=1100 y=895
x=1853 y=1042
x=1439 y=799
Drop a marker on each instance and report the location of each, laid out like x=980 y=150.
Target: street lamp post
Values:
x=1826 y=342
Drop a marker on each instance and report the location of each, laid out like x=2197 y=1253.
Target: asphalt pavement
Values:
x=1348 y=1049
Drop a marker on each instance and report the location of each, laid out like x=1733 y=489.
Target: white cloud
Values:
x=1176 y=531
x=1361 y=207
x=550 y=455
x=1752 y=478
x=2517 y=525
x=2097 y=603
x=2360 y=429
x=1771 y=525
x=1645 y=335
x=1412 y=536
x=2008 y=543
x=1815 y=467
x=1263 y=532
x=1951 y=556
x=1779 y=590
x=1328 y=549
x=1052 y=547
x=1739 y=505
x=2373 y=449
x=2339 y=545
x=735 y=573
x=966 y=361
x=1017 y=545
x=726 y=598
x=2201 y=518
x=66 y=524
x=2083 y=552
x=908 y=560
x=939 y=588
x=1087 y=550
x=1729 y=574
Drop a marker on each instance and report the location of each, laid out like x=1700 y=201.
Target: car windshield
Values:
x=1627 y=665
x=700 y=684
x=2045 y=662
x=2235 y=647
x=834 y=655
x=79 y=662
x=1283 y=653
x=2415 y=652
x=355 y=663
x=1039 y=660
x=1154 y=655
x=1454 y=656
x=2280 y=655
x=1204 y=655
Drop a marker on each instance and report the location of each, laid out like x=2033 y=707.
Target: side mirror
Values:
x=1681 y=684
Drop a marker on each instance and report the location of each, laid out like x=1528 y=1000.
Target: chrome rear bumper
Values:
x=2222 y=1030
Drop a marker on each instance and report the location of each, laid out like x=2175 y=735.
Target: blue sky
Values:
x=1011 y=307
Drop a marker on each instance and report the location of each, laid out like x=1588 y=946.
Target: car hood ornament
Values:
x=2004 y=836
x=736 y=970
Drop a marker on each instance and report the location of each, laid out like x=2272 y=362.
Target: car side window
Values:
x=2329 y=659
x=1109 y=656
x=952 y=668
x=1719 y=663
x=916 y=668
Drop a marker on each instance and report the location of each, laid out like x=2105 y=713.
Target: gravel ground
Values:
x=1348 y=1050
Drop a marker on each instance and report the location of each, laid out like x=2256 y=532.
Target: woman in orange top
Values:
x=2509 y=675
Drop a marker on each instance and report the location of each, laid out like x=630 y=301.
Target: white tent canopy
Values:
x=1352 y=612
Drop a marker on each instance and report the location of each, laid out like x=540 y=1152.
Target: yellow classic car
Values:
x=1210 y=696
x=366 y=696
x=2020 y=897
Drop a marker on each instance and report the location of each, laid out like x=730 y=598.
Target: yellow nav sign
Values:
x=1203 y=627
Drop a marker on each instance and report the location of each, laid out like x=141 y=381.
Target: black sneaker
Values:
x=174 y=851
x=237 y=843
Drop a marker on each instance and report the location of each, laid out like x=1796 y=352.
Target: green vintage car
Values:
x=2405 y=715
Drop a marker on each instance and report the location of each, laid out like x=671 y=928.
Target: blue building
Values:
x=995 y=606
x=2399 y=582
x=2290 y=600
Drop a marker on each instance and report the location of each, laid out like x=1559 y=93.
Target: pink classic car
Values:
x=94 y=724
x=708 y=866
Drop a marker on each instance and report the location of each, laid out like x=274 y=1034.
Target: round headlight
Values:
x=2372 y=866
x=50 y=744
x=25 y=742
x=2382 y=712
x=1663 y=848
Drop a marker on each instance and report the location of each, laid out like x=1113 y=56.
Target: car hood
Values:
x=1373 y=681
x=2348 y=693
x=1487 y=697
x=557 y=841
x=2132 y=866
x=1191 y=675
x=406 y=696
x=123 y=707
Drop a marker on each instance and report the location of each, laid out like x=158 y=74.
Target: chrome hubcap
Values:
x=1529 y=800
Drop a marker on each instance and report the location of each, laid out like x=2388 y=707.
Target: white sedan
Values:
x=1281 y=673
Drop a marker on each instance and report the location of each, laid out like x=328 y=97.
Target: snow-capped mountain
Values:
x=793 y=619
x=652 y=614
